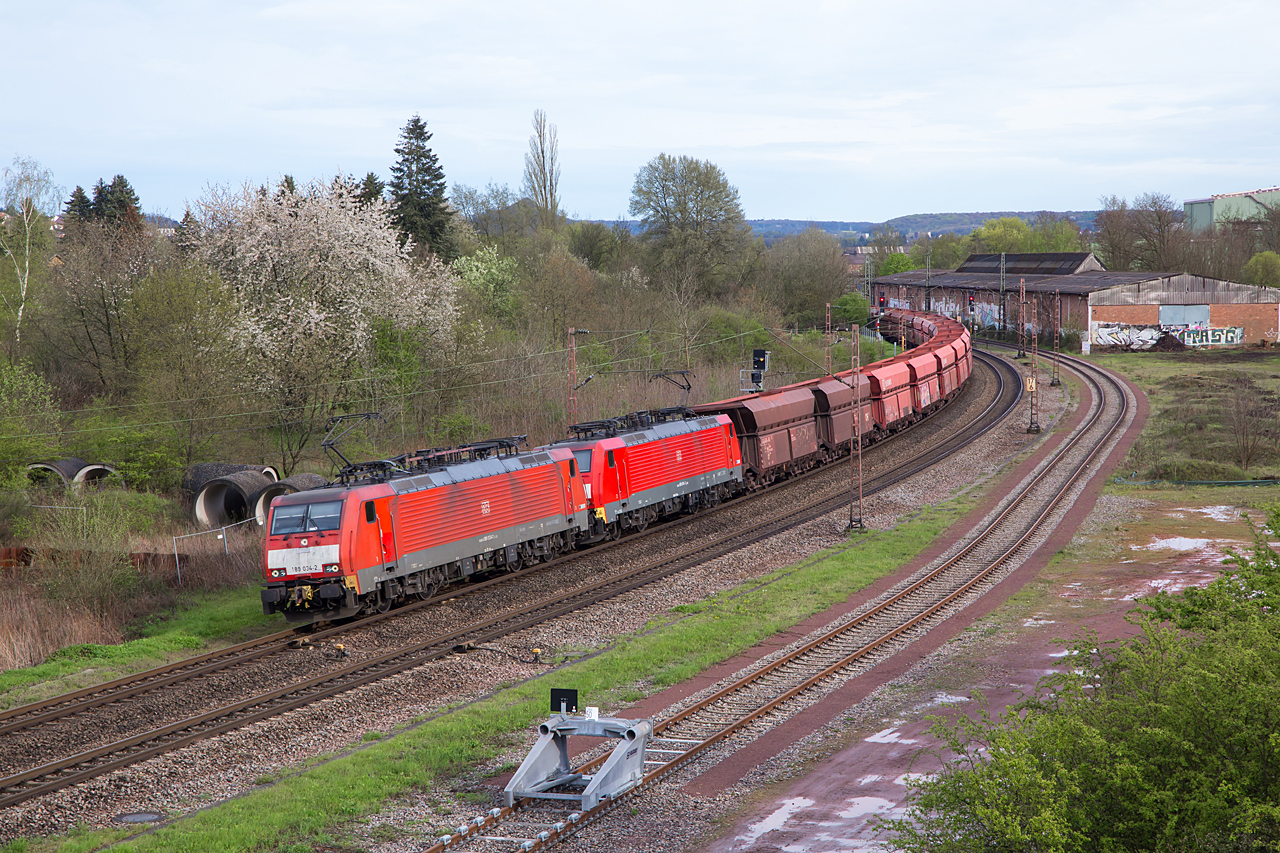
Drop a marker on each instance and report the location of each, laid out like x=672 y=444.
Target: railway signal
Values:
x=882 y=302
x=970 y=304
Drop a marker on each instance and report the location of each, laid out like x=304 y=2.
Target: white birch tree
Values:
x=29 y=199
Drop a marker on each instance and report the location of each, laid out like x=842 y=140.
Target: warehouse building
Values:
x=1200 y=213
x=1104 y=308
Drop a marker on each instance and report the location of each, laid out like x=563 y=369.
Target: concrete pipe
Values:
x=226 y=500
x=261 y=502
x=93 y=474
x=62 y=471
x=198 y=476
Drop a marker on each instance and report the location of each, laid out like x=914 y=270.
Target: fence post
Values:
x=177 y=564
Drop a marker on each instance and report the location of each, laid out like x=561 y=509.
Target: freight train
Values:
x=406 y=527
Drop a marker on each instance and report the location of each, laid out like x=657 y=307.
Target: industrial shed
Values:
x=1104 y=308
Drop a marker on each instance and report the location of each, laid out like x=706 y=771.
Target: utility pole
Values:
x=573 y=372
x=1004 y=323
x=826 y=343
x=1057 y=335
x=1022 y=318
x=928 y=280
x=855 y=473
x=1033 y=385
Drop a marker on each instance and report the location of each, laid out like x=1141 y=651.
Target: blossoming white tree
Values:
x=313 y=273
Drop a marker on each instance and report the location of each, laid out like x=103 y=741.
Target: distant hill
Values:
x=916 y=223
x=910 y=226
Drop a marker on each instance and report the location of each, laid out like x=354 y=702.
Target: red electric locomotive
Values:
x=407 y=526
x=646 y=465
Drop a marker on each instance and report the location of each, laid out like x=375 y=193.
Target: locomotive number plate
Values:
x=302 y=561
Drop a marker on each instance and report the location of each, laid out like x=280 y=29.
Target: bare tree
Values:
x=1157 y=223
x=542 y=170
x=1113 y=234
x=1251 y=413
x=28 y=201
x=91 y=317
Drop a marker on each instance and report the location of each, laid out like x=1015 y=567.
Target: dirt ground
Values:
x=1129 y=546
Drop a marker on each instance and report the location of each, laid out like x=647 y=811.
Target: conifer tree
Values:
x=100 y=195
x=78 y=206
x=418 y=204
x=371 y=189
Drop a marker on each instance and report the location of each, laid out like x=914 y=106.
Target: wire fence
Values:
x=222 y=534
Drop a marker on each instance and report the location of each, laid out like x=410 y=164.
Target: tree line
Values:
x=272 y=308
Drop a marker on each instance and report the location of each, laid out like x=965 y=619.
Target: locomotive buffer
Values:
x=547 y=765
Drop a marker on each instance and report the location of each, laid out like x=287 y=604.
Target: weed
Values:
x=369 y=737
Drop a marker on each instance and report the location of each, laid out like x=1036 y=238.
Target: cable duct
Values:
x=227 y=500
x=261 y=501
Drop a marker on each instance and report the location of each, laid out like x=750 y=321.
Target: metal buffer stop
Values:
x=547 y=765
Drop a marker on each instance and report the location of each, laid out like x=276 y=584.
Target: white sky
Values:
x=832 y=111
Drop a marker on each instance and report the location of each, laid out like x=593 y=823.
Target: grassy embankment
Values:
x=311 y=807
x=1215 y=414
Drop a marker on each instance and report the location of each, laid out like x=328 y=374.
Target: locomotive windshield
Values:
x=584 y=460
x=301 y=518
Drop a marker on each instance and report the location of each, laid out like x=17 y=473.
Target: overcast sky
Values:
x=824 y=111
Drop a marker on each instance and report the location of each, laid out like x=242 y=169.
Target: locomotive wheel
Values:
x=426 y=592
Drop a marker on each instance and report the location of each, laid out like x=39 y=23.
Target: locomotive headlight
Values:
x=332 y=568
x=277 y=573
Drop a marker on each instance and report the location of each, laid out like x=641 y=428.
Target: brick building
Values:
x=1104 y=308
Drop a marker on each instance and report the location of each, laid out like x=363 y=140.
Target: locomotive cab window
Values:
x=610 y=457
x=303 y=518
x=370 y=515
x=584 y=460
x=573 y=468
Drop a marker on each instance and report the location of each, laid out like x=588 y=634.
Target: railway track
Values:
x=72 y=769
x=779 y=688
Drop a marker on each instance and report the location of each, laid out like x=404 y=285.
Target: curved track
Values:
x=778 y=689
x=109 y=757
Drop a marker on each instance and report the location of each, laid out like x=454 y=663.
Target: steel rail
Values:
x=1075 y=471
x=122 y=689
x=56 y=775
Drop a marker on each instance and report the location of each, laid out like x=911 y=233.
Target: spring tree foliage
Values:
x=692 y=220
x=313 y=275
x=29 y=427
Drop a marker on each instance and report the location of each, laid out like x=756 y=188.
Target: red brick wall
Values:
x=1259 y=321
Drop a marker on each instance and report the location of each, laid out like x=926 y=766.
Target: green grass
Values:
x=203 y=620
x=1188 y=435
x=312 y=806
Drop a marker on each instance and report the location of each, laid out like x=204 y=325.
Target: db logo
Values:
x=484 y=507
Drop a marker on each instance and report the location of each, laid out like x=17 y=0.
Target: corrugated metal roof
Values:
x=1186 y=289
x=1035 y=263
x=1080 y=283
x=1102 y=287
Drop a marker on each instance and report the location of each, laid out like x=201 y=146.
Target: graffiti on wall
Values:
x=1131 y=337
x=1145 y=337
x=1210 y=337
